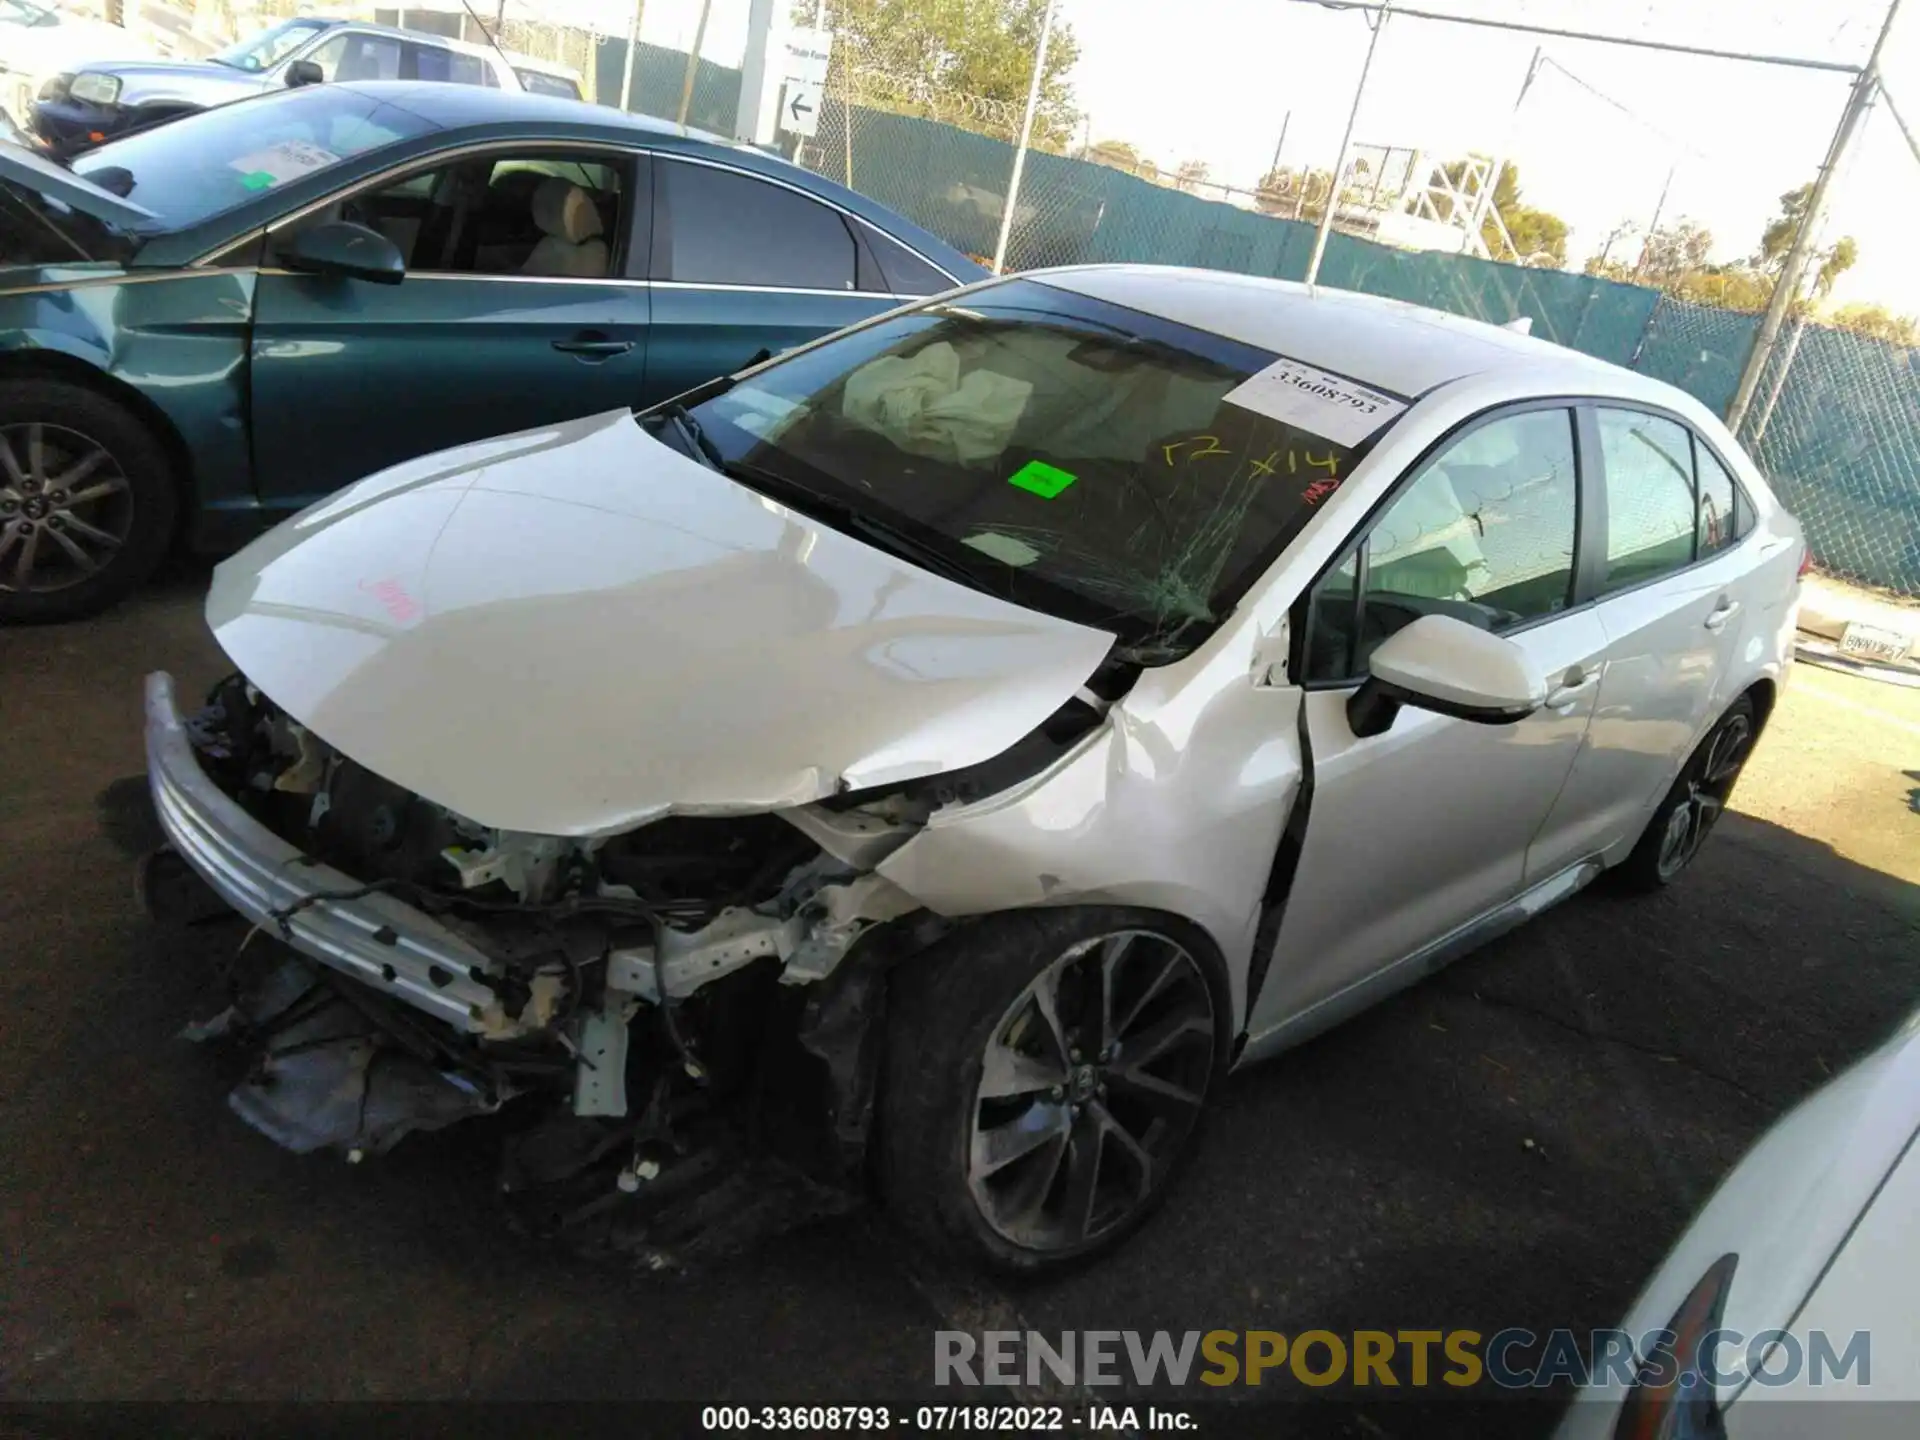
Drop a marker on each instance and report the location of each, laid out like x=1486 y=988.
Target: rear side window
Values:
x=450 y=66
x=1721 y=511
x=538 y=82
x=1650 y=496
x=716 y=227
x=901 y=271
x=1742 y=514
x=354 y=56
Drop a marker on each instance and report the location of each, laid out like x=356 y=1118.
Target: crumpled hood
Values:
x=576 y=629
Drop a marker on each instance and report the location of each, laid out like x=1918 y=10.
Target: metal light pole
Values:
x=1659 y=208
x=1346 y=140
x=1026 y=134
x=693 y=62
x=1886 y=98
x=1788 y=285
x=633 y=53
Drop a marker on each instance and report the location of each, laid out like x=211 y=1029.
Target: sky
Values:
x=1214 y=80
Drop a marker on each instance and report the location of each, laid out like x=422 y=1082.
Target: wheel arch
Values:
x=1764 y=693
x=49 y=364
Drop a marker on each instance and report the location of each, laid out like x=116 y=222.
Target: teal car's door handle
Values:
x=592 y=345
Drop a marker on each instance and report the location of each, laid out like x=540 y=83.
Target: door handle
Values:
x=1575 y=683
x=1722 y=613
x=592 y=345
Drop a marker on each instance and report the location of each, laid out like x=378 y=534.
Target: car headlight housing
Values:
x=95 y=89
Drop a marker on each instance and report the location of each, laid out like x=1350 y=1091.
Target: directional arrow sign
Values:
x=800 y=110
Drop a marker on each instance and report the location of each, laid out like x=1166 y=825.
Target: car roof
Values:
x=451 y=106
x=1390 y=344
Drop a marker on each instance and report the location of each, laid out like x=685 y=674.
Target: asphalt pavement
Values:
x=1515 y=1142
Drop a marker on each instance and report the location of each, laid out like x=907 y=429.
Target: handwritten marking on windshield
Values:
x=1330 y=462
x=1213 y=448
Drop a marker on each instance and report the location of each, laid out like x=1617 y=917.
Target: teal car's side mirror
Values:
x=304 y=72
x=340 y=247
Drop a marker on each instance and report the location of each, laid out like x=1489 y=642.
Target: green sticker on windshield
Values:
x=258 y=180
x=1041 y=479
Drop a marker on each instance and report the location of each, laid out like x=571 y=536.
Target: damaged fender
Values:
x=1100 y=825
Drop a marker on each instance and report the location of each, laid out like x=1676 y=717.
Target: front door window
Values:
x=558 y=216
x=1484 y=533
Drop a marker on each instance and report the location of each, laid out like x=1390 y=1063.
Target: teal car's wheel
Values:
x=87 y=501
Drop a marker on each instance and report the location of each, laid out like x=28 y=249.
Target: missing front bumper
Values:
x=329 y=917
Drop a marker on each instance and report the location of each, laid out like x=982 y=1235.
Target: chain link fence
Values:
x=1835 y=426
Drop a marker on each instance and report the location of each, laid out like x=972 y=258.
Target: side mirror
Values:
x=304 y=72
x=340 y=247
x=1447 y=666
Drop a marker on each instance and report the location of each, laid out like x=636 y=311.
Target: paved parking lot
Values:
x=1515 y=1143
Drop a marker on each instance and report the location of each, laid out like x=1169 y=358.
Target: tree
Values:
x=965 y=61
x=1728 y=287
x=1535 y=233
x=1879 y=322
x=1777 y=238
x=1672 y=251
x=1190 y=175
x=1121 y=155
x=1834 y=262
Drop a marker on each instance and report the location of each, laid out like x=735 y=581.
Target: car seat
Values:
x=570 y=226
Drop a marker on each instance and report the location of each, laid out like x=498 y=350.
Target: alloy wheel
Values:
x=1091 y=1082
x=66 y=507
x=1706 y=795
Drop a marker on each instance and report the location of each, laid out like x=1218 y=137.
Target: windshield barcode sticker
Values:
x=1328 y=406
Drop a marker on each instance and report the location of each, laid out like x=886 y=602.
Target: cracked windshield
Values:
x=1060 y=452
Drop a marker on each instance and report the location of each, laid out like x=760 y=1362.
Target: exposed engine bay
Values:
x=681 y=1017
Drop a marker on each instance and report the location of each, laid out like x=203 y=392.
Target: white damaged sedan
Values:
x=955 y=744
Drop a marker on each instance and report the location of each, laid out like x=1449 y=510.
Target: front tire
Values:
x=88 y=501
x=1679 y=828
x=1045 y=1075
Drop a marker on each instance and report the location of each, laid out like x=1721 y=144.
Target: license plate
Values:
x=1874 y=643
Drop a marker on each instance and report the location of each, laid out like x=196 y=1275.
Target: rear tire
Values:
x=1028 y=1145
x=1692 y=808
x=88 y=501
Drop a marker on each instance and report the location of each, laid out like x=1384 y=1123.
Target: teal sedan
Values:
x=207 y=325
